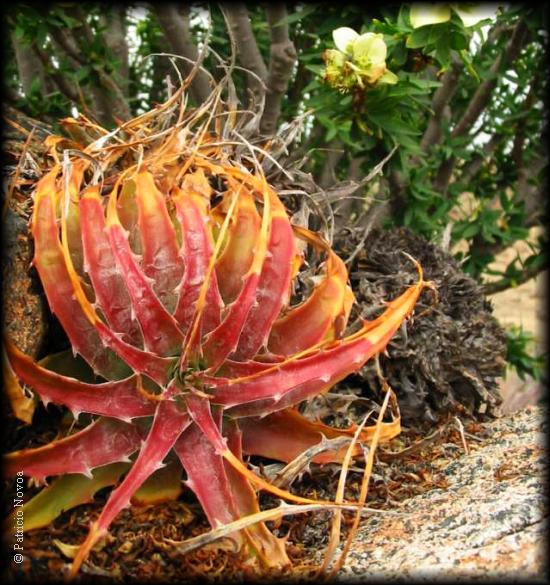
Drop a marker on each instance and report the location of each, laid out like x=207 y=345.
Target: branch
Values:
x=482 y=95
x=121 y=109
x=443 y=95
x=240 y=29
x=354 y=169
x=115 y=104
x=530 y=194
x=334 y=156
x=115 y=39
x=480 y=100
x=347 y=205
x=503 y=284
x=60 y=80
x=303 y=76
x=67 y=42
x=282 y=59
x=174 y=21
x=519 y=139
x=397 y=188
x=84 y=27
x=302 y=152
x=98 y=104
x=474 y=165
x=28 y=66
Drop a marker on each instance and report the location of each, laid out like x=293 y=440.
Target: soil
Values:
x=137 y=548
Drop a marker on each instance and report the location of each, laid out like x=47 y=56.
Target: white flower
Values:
x=343 y=39
x=370 y=47
x=471 y=14
x=422 y=14
x=359 y=59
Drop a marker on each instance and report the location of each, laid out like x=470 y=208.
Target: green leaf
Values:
x=346 y=101
x=317 y=69
x=331 y=133
x=424 y=14
x=443 y=51
x=458 y=41
x=470 y=231
x=403 y=17
x=298 y=15
x=67 y=364
x=390 y=123
x=423 y=83
x=41 y=33
x=398 y=55
x=425 y=35
x=468 y=63
x=82 y=73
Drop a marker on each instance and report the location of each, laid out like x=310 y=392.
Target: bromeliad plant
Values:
x=169 y=261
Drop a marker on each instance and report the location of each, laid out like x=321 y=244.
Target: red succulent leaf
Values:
x=274 y=285
x=323 y=315
x=206 y=476
x=200 y=412
x=221 y=342
x=169 y=422
x=120 y=399
x=111 y=293
x=197 y=248
x=237 y=256
x=58 y=285
x=270 y=548
x=104 y=441
x=300 y=377
x=161 y=333
x=161 y=260
x=285 y=434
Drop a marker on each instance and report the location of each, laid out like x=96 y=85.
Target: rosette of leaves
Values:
x=169 y=259
x=359 y=61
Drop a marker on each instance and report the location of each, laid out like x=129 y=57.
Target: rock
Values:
x=517 y=393
x=489 y=523
x=25 y=319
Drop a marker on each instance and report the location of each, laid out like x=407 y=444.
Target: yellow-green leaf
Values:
x=163 y=486
x=65 y=493
x=22 y=405
x=389 y=77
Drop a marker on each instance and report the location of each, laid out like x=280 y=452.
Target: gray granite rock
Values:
x=489 y=523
